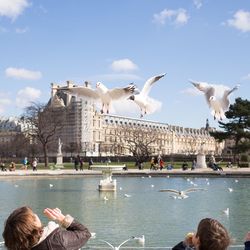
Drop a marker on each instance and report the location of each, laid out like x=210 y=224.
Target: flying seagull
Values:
x=116 y=248
x=182 y=193
x=216 y=97
x=101 y=93
x=145 y=103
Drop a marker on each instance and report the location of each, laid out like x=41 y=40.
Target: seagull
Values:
x=140 y=240
x=152 y=185
x=180 y=193
x=101 y=93
x=51 y=185
x=93 y=235
x=105 y=198
x=216 y=96
x=145 y=103
x=127 y=195
x=236 y=181
x=230 y=190
x=116 y=248
x=226 y=212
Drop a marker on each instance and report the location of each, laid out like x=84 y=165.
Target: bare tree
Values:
x=43 y=123
x=140 y=142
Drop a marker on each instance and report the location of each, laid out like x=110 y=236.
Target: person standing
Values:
x=90 y=163
x=34 y=164
x=76 y=162
x=81 y=164
x=25 y=163
x=161 y=164
x=193 y=165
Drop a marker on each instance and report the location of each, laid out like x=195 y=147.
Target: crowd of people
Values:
x=25 y=164
x=23 y=230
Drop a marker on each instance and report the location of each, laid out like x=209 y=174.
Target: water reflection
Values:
x=163 y=220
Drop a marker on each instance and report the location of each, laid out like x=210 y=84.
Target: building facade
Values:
x=93 y=134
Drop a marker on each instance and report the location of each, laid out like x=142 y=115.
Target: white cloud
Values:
x=240 y=21
x=26 y=96
x=12 y=8
x=197 y=3
x=123 y=65
x=21 y=30
x=178 y=17
x=22 y=73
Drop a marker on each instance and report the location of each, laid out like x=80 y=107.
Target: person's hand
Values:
x=189 y=239
x=247 y=237
x=54 y=214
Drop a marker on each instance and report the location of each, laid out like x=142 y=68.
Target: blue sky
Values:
x=118 y=42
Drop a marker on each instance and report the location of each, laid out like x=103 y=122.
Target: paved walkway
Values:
x=240 y=172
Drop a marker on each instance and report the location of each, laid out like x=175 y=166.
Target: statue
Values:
x=201 y=158
x=202 y=151
x=59 y=152
x=59 y=158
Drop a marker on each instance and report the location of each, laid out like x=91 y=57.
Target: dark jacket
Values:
x=247 y=245
x=182 y=246
x=71 y=238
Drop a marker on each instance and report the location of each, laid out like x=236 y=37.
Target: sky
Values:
x=118 y=42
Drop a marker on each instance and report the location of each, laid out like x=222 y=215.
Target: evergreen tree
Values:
x=237 y=128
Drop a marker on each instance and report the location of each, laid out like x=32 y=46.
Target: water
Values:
x=163 y=220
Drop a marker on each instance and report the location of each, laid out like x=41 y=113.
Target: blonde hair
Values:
x=21 y=231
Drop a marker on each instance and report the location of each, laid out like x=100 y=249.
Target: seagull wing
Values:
x=124 y=242
x=194 y=190
x=148 y=84
x=118 y=93
x=83 y=91
x=108 y=243
x=170 y=190
x=225 y=101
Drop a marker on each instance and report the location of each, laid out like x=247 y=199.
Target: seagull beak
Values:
x=194 y=83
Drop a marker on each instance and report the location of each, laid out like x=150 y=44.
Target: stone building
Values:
x=9 y=127
x=90 y=133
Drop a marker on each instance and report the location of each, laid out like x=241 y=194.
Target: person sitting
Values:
x=210 y=235
x=169 y=166
x=12 y=166
x=24 y=230
x=125 y=168
x=3 y=168
x=184 y=166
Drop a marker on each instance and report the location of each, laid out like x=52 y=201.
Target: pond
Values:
x=136 y=208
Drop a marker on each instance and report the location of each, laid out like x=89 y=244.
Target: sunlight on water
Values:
x=143 y=211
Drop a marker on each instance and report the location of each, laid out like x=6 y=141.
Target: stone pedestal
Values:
x=107 y=183
x=59 y=161
x=201 y=161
